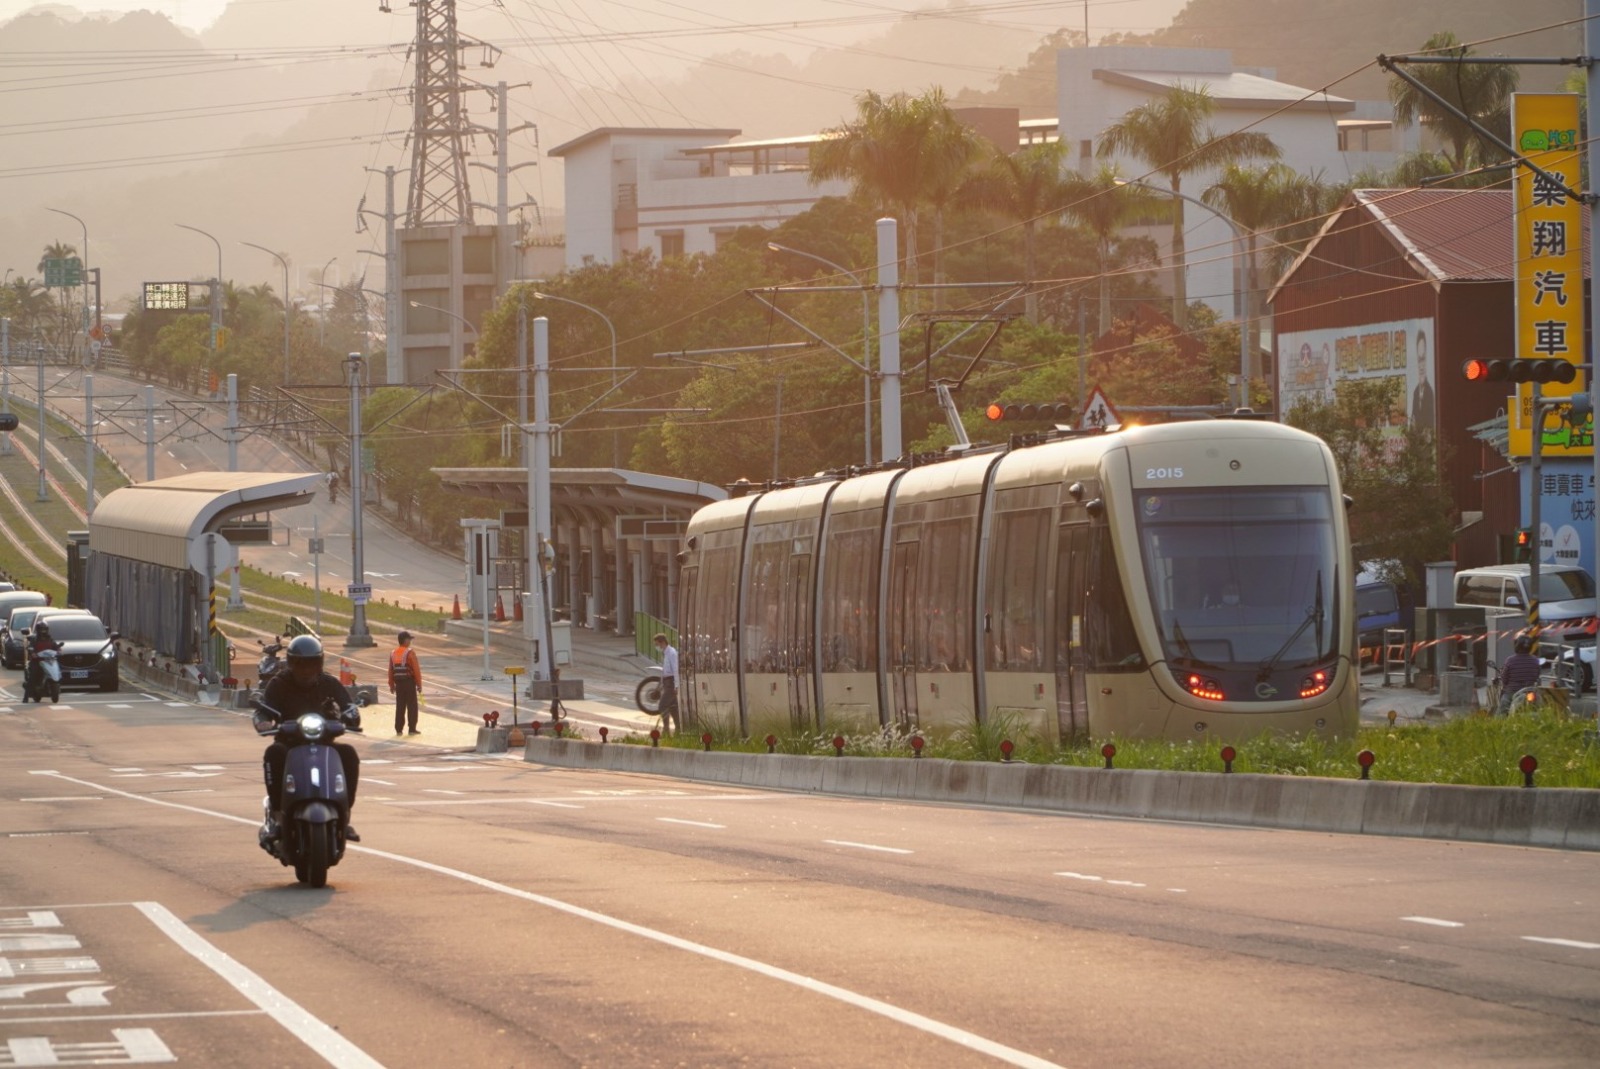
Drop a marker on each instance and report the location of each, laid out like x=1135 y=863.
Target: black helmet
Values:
x=42 y=628
x=305 y=649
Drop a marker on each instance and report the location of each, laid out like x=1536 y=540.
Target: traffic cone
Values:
x=455 y=611
x=346 y=677
x=516 y=610
x=499 y=610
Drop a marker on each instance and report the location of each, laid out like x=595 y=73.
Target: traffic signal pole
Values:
x=1591 y=49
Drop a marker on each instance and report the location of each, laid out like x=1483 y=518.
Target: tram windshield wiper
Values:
x=1314 y=615
x=1189 y=656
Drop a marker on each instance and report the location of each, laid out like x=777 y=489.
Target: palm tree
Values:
x=1028 y=186
x=1172 y=135
x=1481 y=91
x=900 y=153
x=1257 y=199
x=1104 y=204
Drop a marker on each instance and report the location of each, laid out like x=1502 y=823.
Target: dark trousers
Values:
x=277 y=756
x=669 y=706
x=405 y=705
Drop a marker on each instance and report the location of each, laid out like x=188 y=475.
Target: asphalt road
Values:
x=506 y=914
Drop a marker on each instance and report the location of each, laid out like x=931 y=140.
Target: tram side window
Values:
x=944 y=594
x=850 y=602
x=763 y=635
x=1111 y=643
x=720 y=586
x=1019 y=555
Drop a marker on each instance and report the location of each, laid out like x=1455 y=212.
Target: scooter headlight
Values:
x=312 y=725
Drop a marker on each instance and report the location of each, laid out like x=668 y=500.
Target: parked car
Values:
x=88 y=651
x=1377 y=607
x=10 y=601
x=1566 y=595
x=14 y=635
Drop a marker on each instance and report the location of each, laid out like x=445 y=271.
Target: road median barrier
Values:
x=1564 y=818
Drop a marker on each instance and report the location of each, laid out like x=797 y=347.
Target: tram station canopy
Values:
x=155 y=521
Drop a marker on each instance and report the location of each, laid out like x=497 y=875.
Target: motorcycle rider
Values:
x=38 y=641
x=303 y=687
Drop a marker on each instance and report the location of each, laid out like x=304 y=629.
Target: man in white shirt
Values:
x=669 y=685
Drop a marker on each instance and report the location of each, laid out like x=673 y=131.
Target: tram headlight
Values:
x=1204 y=687
x=1315 y=683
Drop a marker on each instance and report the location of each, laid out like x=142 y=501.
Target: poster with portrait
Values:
x=1312 y=364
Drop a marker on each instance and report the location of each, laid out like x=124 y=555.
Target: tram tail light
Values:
x=1204 y=687
x=1315 y=683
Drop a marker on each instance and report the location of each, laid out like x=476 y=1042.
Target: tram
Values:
x=1183 y=580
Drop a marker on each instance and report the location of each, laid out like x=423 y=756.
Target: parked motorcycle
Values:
x=270 y=663
x=647 y=695
x=42 y=677
x=316 y=802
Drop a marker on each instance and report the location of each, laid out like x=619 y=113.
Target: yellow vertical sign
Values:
x=1549 y=260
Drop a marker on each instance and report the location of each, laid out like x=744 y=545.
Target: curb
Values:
x=1561 y=818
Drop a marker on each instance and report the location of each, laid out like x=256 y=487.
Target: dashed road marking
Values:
x=866 y=846
x=1435 y=921
x=691 y=823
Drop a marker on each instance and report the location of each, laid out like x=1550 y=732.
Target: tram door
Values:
x=903 y=630
x=797 y=622
x=1072 y=563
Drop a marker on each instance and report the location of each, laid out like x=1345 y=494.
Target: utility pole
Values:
x=394 y=359
x=505 y=241
x=889 y=335
x=359 y=635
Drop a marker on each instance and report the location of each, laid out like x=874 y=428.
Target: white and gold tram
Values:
x=1181 y=581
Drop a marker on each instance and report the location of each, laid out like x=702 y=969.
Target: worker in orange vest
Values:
x=405 y=683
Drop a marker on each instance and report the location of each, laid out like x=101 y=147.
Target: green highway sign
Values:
x=63 y=272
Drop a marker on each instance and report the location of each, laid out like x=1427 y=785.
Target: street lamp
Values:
x=539 y=295
x=1243 y=272
x=463 y=320
x=85 y=227
x=866 y=331
x=282 y=260
x=216 y=289
x=360 y=294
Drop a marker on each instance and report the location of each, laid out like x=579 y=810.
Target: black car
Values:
x=88 y=651
x=14 y=636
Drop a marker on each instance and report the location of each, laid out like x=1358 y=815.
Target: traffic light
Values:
x=8 y=421
x=1479 y=370
x=1055 y=413
x=1524 y=546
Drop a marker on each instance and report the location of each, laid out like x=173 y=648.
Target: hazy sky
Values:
x=1105 y=16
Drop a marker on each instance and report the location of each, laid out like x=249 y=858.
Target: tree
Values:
x=1103 y=203
x=1257 y=199
x=1481 y=91
x=1173 y=136
x=901 y=154
x=1402 y=509
x=1028 y=186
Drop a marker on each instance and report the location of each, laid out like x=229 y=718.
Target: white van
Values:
x=1566 y=594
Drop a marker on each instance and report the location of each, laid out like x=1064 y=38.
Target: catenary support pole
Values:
x=889 y=335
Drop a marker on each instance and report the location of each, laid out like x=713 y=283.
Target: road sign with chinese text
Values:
x=1548 y=253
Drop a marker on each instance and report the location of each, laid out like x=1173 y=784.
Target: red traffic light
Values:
x=1479 y=370
x=1047 y=411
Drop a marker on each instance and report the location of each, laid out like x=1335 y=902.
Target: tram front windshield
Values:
x=1241 y=578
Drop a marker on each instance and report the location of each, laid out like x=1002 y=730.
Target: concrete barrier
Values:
x=1562 y=818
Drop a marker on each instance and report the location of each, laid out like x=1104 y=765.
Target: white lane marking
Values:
x=385 y=782
x=1435 y=921
x=691 y=823
x=70 y=798
x=866 y=846
x=1080 y=876
x=557 y=805
x=1562 y=942
x=291 y=1017
x=673 y=796
x=959 y=1036
x=440 y=790
x=132 y=1017
x=1179 y=890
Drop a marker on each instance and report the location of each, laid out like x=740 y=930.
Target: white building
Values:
x=678 y=192
x=1318 y=133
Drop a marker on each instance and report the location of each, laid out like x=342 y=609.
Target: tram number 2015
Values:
x=1163 y=473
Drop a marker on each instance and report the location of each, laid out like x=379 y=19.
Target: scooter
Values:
x=316 y=801
x=269 y=664
x=42 y=677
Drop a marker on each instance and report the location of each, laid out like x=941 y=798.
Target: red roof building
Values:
x=1408 y=284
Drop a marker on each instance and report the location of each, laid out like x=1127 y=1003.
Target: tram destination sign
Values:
x=166 y=296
